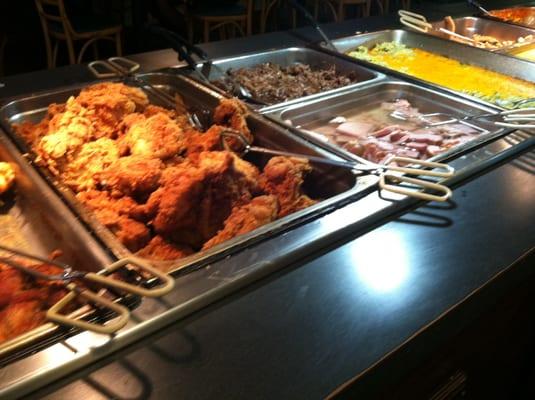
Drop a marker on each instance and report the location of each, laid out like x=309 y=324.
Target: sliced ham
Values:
x=421 y=147
x=387 y=130
x=428 y=138
x=355 y=147
x=433 y=150
x=386 y=146
x=409 y=138
x=408 y=153
x=356 y=129
x=398 y=137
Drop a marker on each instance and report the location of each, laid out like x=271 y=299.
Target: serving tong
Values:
x=419 y=22
x=125 y=68
x=187 y=51
x=312 y=21
x=390 y=178
x=516 y=118
x=68 y=279
x=478 y=6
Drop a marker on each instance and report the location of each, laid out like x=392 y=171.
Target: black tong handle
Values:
x=476 y=4
x=313 y=22
x=184 y=48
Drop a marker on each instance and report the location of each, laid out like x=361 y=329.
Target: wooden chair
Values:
x=57 y=26
x=337 y=7
x=329 y=5
x=364 y=5
x=384 y=5
x=228 y=19
x=266 y=7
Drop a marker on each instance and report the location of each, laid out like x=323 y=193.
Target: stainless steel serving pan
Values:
x=503 y=64
x=335 y=186
x=469 y=26
x=32 y=217
x=287 y=57
x=371 y=97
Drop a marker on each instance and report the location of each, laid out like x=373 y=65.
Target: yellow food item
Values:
x=527 y=55
x=487 y=85
x=7 y=177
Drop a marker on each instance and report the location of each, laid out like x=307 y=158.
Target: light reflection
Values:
x=381 y=261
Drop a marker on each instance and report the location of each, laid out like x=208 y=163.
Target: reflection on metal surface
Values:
x=381 y=260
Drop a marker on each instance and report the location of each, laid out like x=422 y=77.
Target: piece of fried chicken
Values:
x=68 y=131
x=123 y=216
x=156 y=136
x=24 y=300
x=32 y=133
x=134 y=176
x=283 y=177
x=108 y=103
x=230 y=113
x=92 y=158
x=96 y=112
x=260 y=211
x=198 y=195
x=162 y=250
x=233 y=114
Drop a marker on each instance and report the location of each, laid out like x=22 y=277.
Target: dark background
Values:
x=25 y=50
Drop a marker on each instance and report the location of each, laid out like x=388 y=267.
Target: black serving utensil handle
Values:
x=182 y=47
x=313 y=22
x=476 y=4
x=185 y=49
x=178 y=40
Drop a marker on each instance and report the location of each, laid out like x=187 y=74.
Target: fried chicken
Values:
x=197 y=196
x=151 y=110
x=225 y=188
x=93 y=158
x=122 y=216
x=125 y=205
x=210 y=140
x=67 y=133
x=162 y=187
x=131 y=176
x=7 y=177
x=162 y=250
x=31 y=132
x=108 y=103
x=95 y=113
x=157 y=136
x=18 y=318
x=10 y=283
x=233 y=114
x=133 y=234
x=24 y=300
x=260 y=211
x=283 y=177
x=249 y=174
x=174 y=203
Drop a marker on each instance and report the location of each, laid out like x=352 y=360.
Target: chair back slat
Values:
x=51 y=11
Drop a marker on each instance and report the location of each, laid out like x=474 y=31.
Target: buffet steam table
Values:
x=431 y=301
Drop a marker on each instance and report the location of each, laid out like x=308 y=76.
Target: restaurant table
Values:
x=426 y=302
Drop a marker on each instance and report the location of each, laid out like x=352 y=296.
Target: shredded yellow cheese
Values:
x=476 y=81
